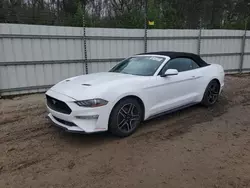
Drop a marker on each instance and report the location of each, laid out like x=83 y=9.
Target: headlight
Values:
x=92 y=103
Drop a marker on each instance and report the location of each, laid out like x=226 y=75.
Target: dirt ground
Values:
x=196 y=147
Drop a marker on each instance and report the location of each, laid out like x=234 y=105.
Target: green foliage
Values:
x=77 y=16
x=182 y=14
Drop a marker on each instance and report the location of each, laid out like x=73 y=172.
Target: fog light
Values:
x=88 y=117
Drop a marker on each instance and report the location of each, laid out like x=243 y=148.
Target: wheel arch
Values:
x=217 y=80
x=210 y=80
x=134 y=97
x=203 y=90
x=204 y=100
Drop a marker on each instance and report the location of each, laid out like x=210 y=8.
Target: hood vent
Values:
x=86 y=84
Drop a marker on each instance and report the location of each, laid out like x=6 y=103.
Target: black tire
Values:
x=125 y=117
x=211 y=94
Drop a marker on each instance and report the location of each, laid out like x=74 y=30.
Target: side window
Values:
x=180 y=64
x=195 y=66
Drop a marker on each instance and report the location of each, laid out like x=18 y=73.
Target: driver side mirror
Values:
x=170 y=72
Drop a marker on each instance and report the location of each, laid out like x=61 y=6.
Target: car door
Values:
x=178 y=90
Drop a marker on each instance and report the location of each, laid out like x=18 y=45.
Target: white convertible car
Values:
x=138 y=88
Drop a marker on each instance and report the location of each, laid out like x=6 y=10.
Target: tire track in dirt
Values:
x=27 y=122
x=26 y=163
x=27 y=134
x=20 y=115
x=21 y=165
x=33 y=146
x=181 y=122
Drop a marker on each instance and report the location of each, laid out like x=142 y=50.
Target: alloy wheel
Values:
x=213 y=93
x=128 y=117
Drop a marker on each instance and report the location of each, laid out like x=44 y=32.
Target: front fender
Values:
x=130 y=94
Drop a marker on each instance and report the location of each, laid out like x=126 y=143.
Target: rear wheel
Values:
x=125 y=117
x=211 y=94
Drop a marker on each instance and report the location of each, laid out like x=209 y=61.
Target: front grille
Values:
x=58 y=105
x=70 y=124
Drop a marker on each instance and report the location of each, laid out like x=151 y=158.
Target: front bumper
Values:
x=65 y=127
x=80 y=120
x=221 y=88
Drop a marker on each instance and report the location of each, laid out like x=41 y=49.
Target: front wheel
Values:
x=125 y=117
x=211 y=94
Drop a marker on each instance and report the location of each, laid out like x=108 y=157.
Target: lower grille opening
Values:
x=70 y=124
x=58 y=105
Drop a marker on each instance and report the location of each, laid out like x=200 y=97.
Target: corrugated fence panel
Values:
x=40 y=49
x=228 y=62
x=246 y=62
x=174 y=44
x=114 y=48
x=9 y=54
x=39 y=56
x=101 y=66
x=118 y=48
x=28 y=47
x=246 y=59
x=247 y=45
x=224 y=42
x=217 y=45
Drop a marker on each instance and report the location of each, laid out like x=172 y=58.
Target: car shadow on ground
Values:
x=85 y=139
x=168 y=125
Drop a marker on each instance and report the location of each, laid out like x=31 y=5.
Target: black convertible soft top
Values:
x=174 y=55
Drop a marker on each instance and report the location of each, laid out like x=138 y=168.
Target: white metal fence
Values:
x=32 y=57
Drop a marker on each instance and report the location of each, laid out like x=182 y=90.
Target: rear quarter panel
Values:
x=213 y=71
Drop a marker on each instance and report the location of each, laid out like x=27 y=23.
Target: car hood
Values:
x=91 y=85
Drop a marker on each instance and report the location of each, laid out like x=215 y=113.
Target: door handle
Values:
x=195 y=76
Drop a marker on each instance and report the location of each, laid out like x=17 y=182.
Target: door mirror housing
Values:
x=170 y=72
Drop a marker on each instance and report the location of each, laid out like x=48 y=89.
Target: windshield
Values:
x=141 y=65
